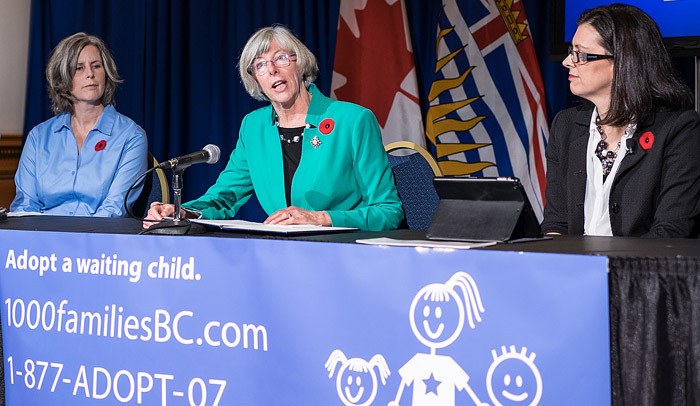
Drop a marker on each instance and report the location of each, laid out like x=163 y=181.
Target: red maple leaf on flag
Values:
x=376 y=63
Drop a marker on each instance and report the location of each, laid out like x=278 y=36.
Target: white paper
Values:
x=243 y=225
x=425 y=243
x=24 y=213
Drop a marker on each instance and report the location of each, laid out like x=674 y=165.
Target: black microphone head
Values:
x=214 y=153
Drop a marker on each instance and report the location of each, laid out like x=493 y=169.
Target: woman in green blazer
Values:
x=309 y=159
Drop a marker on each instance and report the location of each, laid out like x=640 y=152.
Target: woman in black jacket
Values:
x=625 y=162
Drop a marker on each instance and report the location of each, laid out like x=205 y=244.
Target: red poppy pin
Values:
x=100 y=145
x=646 y=140
x=326 y=126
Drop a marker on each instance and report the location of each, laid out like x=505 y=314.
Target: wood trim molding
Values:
x=10 y=151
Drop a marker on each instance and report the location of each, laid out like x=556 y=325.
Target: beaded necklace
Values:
x=295 y=139
x=607 y=159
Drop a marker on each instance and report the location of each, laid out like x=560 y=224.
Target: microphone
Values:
x=631 y=145
x=209 y=154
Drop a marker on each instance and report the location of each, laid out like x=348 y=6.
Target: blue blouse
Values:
x=53 y=178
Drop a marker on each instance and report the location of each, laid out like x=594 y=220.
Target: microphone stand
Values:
x=178 y=225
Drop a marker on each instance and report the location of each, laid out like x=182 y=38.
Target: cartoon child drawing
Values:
x=357 y=382
x=513 y=378
x=437 y=316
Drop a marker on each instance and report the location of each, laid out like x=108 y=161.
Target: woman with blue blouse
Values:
x=82 y=161
x=308 y=158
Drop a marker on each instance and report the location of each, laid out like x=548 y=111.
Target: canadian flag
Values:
x=374 y=66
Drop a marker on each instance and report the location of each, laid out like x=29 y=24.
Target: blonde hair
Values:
x=63 y=64
x=259 y=43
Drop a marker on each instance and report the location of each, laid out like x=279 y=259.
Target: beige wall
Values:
x=14 y=43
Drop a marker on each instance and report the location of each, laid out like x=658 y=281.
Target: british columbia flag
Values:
x=486 y=113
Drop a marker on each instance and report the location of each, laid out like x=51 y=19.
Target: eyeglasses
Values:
x=580 y=58
x=280 y=61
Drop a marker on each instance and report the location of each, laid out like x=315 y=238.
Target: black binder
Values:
x=482 y=209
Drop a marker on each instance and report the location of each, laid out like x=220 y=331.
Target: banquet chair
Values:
x=155 y=189
x=413 y=174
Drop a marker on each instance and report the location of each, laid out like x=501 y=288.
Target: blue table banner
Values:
x=93 y=319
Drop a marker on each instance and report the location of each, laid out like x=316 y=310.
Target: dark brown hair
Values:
x=643 y=75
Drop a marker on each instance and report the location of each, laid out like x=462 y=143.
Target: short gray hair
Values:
x=63 y=64
x=259 y=43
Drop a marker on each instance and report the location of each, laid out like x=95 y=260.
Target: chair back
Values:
x=155 y=189
x=413 y=174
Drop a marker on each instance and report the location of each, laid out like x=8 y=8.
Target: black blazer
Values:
x=656 y=191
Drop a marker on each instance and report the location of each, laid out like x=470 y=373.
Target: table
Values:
x=654 y=300
x=615 y=247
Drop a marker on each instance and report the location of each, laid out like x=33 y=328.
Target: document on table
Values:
x=425 y=243
x=24 y=213
x=250 y=226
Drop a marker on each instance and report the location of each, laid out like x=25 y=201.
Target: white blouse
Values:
x=597 y=203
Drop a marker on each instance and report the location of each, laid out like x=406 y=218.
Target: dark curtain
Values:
x=178 y=61
x=654 y=331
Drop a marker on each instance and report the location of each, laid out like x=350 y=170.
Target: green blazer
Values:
x=346 y=175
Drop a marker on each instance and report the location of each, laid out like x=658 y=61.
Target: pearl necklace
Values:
x=295 y=139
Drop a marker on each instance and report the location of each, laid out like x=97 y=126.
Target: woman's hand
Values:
x=159 y=212
x=295 y=215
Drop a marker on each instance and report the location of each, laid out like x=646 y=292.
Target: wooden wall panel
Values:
x=10 y=150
